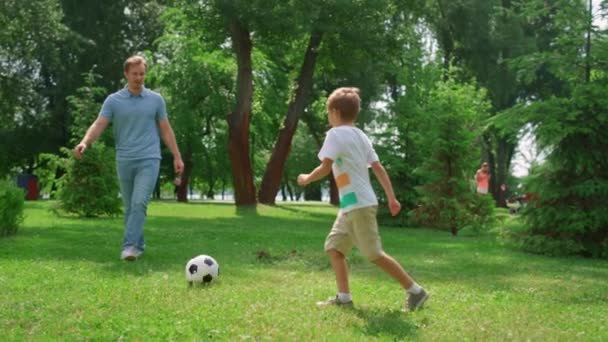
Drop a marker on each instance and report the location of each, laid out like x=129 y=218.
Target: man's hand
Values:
x=178 y=165
x=303 y=179
x=394 y=206
x=79 y=150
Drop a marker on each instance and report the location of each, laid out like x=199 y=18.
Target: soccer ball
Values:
x=202 y=269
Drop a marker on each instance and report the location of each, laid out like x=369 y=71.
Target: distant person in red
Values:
x=482 y=178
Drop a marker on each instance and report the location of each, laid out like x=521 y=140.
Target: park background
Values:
x=445 y=86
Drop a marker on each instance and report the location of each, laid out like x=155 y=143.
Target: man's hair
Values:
x=134 y=60
x=346 y=101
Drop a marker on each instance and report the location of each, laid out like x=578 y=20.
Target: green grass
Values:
x=61 y=279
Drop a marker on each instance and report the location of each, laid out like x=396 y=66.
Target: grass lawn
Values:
x=61 y=279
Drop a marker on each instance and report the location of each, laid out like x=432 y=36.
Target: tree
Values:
x=198 y=86
x=30 y=33
x=351 y=54
x=45 y=47
x=453 y=120
x=481 y=37
x=89 y=187
x=276 y=165
x=568 y=215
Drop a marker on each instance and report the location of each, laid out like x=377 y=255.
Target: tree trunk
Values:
x=239 y=119
x=276 y=165
x=182 y=191
x=588 y=44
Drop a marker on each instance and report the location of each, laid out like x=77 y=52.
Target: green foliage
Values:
x=572 y=185
x=454 y=115
x=568 y=214
x=396 y=142
x=480 y=213
x=45 y=46
x=302 y=156
x=12 y=199
x=85 y=106
x=31 y=32
x=197 y=85
x=90 y=186
x=47 y=168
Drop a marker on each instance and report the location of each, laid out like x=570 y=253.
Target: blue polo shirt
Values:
x=135 y=123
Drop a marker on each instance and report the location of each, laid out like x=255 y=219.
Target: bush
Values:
x=12 y=199
x=481 y=213
x=90 y=186
x=474 y=213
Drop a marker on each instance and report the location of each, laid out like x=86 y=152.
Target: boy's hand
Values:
x=303 y=179
x=394 y=206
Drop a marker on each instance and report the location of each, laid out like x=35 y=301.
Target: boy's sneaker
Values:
x=335 y=301
x=416 y=301
x=130 y=253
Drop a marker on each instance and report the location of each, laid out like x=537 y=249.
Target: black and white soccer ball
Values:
x=202 y=269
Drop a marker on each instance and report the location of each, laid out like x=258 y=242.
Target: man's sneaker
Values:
x=416 y=301
x=130 y=253
x=138 y=252
x=335 y=301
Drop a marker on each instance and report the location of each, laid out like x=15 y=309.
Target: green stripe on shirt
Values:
x=348 y=200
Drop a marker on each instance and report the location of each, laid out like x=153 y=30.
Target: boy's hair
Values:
x=346 y=101
x=134 y=60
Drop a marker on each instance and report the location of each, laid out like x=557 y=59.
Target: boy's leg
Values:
x=394 y=269
x=416 y=295
x=337 y=244
x=338 y=263
x=367 y=238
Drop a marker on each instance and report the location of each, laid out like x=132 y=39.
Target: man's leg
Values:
x=144 y=181
x=126 y=176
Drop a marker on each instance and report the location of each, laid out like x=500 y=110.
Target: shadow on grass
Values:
x=386 y=323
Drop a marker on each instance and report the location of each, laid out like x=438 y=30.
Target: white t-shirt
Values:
x=352 y=154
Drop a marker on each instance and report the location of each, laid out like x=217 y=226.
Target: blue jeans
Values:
x=137 y=181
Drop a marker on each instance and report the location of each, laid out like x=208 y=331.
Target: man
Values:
x=482 y=178
x=139 y=118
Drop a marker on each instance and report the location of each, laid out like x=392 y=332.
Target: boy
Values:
x=348 y=152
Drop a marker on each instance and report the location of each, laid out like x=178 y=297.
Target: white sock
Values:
x=344 y=297
x=414 y=289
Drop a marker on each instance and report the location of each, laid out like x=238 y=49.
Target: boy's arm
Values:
x=385 y=181
x=319 y=172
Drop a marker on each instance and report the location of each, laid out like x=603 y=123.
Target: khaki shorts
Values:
x=357 y=228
